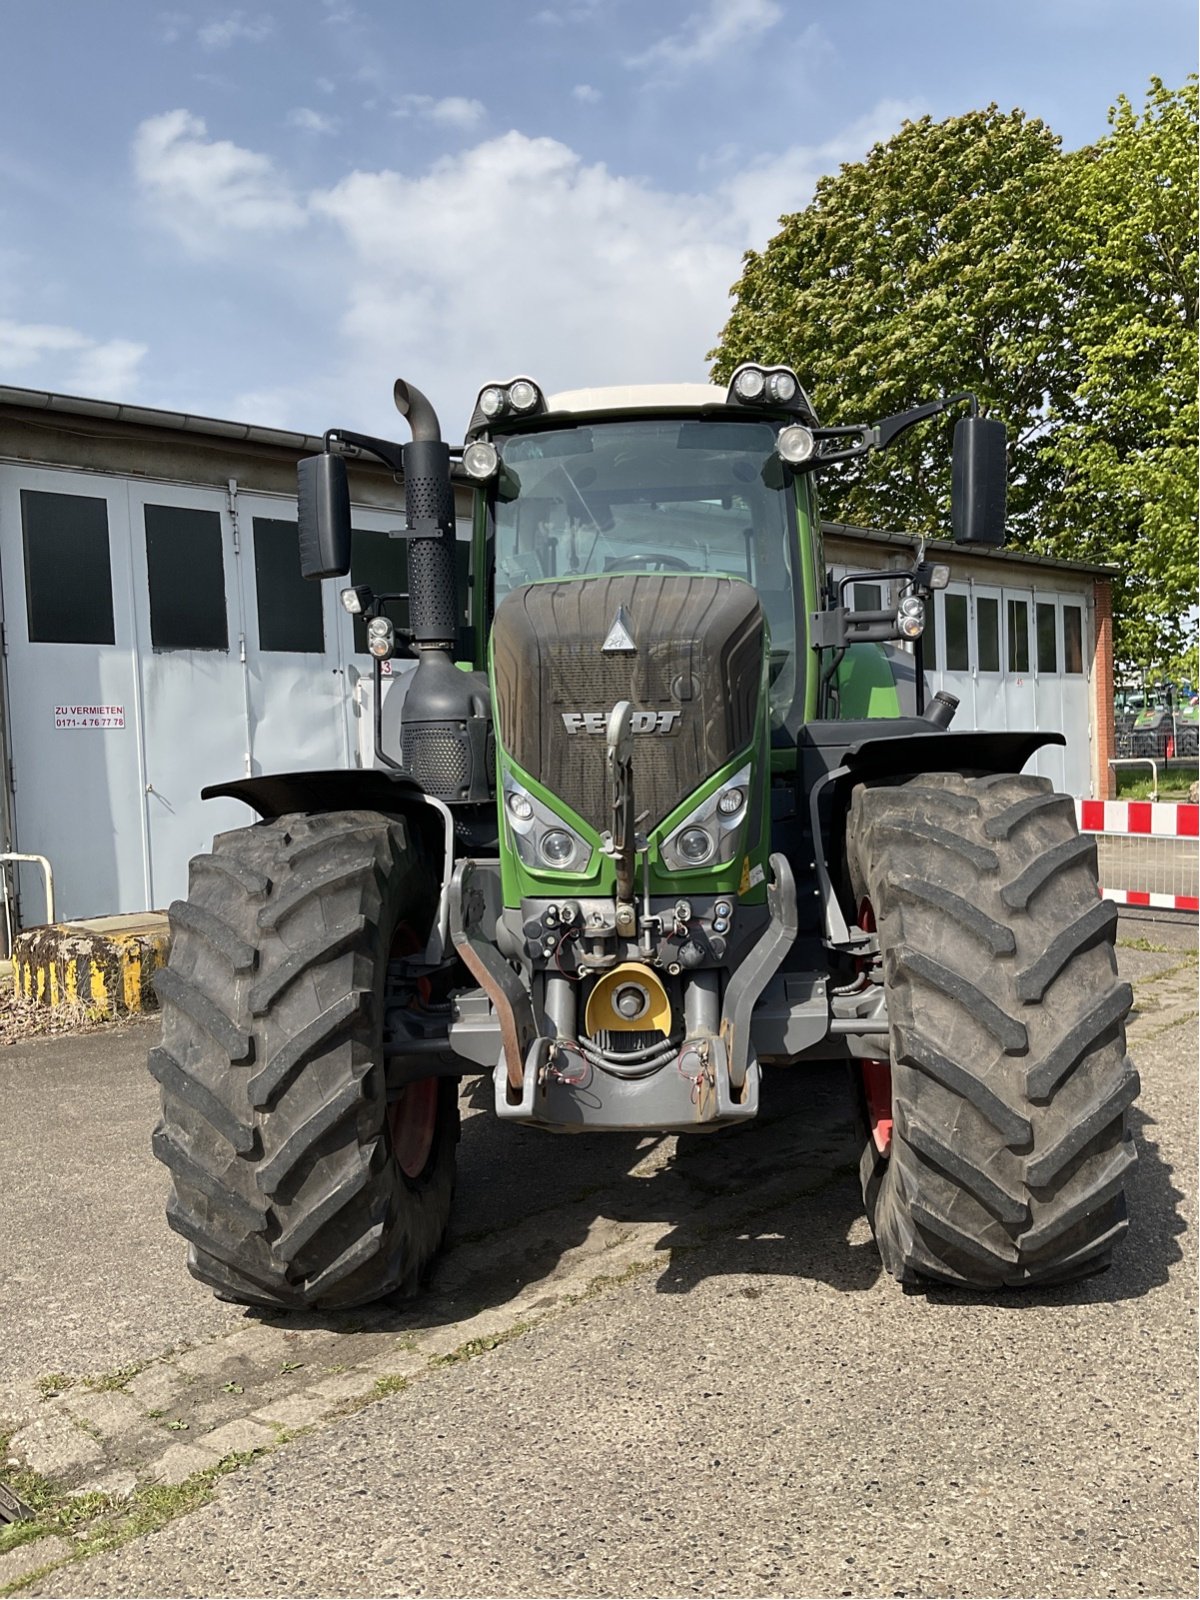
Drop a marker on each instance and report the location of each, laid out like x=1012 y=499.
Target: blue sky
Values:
x=269 y=212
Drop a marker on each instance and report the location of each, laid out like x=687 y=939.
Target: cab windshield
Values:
x=705 y=496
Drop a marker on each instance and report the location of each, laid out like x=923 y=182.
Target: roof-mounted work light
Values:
x=518 y=397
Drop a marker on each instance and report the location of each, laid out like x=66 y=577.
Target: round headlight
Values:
x=480 y=459
x=522 y=396
x=731 y=802
x=556 y=848
x=749 y=384
x=492 y=402
x=381 y=637
x=695 y=845
x=911 y=618
x=795 y=445
x=520 y=806
x=781 y=386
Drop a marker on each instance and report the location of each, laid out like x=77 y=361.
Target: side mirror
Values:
x=980 y=474
x=324 y=506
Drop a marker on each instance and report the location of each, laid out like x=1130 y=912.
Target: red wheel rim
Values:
x=412 y=1122
x=876 y=1072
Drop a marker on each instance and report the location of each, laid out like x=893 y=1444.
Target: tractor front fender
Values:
x=279 y=794
x=853 y=752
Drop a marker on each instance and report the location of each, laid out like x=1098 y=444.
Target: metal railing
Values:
x=47 y=875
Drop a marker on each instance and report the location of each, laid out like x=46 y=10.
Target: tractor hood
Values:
x=686 y=651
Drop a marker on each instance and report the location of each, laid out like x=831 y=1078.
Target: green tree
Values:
x=1128 y=451
x=973 y=254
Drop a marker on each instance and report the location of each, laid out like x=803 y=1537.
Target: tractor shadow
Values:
x=778 y=1196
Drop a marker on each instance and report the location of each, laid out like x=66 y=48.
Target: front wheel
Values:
x=296 y=1180
x=997 y=1146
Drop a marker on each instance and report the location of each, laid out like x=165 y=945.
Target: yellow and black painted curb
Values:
x=105 y=964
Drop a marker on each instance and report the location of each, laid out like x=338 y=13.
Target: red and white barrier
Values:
x=1142 y=819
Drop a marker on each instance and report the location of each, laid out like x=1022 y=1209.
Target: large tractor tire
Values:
x=996 y=1147
x=294 y=1181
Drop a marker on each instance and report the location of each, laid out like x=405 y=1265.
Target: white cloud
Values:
x=222 y=32
x=206 y=190
x=588 y=96
x=455 y=111
x=578 y=275
x=708 y=35
x=310 y=121
x=49 y=356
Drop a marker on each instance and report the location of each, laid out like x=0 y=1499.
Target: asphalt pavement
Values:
x=644 y=1367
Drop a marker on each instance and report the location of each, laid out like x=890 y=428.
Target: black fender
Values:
x=840 y=755
x=276 y=794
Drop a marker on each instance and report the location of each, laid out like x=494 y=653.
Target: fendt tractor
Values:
x=684 y=819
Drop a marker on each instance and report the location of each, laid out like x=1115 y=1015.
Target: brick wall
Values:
x=1104 y=741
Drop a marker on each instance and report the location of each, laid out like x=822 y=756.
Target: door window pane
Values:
x=929 y=637
x=1018 y=636
x=987 y=615
x=68 y=577
x=1047 y=637
x=289 y=606
x=186 y=572
x=958 y=656
x=1072 y=638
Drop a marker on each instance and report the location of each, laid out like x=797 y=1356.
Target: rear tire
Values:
x=290 y=1180
x=1010 y=1082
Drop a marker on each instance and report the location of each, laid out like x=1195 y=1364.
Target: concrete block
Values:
x=56 y=1446
x=178 y=1463
x=109 y=1410
x=234 y=1437
x=104 y=964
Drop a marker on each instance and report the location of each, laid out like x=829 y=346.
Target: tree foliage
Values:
x=974 y=254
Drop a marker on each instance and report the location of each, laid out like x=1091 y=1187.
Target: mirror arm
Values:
x=347 y=443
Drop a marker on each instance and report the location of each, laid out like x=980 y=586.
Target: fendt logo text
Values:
x=641 y=722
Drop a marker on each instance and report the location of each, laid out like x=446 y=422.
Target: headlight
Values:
x=523 y=395
x=796 y=445
x=911 y=617
x=542 y=839
x=491 y=401
x=480 y=460
x=711 y=834
x=557 y=848
x=782 y=386
x=381 y=637
x=695 y=845
x=750 y=383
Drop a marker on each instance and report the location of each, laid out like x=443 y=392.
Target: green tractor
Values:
x=684 y=819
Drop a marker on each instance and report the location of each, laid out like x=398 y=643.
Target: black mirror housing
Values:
x=980 y=475
x=323 y=498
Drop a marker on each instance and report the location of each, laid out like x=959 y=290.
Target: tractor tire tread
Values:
x=274 y=1108
x=1011 y=1085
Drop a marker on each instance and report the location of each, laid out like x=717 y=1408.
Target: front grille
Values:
x=699 y=657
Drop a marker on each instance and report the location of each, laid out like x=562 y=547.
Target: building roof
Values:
x=975 y=552
x=150 y=417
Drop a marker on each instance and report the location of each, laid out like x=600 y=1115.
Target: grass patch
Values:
x=393 y=1383
x=51 y=1384
x=116 y=1379
x=1137 y=783
x=96 y=1523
